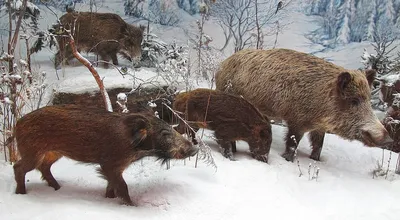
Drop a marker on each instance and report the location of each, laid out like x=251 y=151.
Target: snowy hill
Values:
x=242 y=189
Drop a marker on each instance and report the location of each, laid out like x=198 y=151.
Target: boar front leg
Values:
x=233 y=143
x=116 y=183
x=317 y=140
x=291 y=145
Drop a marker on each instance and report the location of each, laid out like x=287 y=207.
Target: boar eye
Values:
x=355 y=101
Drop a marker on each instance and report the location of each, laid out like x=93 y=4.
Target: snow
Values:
x=390 y=80
x=241 y=189
x=237 y=189
x=122 y=97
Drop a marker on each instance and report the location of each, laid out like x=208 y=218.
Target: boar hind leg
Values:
x=44 y=168
x=233 y=143
x=20 y=169
x=291 y=145
x=317 y=140
x=114 y=58
x=105 y=58
x=116 y=185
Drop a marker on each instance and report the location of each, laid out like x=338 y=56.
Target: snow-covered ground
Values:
x=242 y=189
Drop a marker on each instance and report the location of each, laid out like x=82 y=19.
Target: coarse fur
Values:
x=231 y=117
x=105 y=34
x=94 y=136
x=308 y=93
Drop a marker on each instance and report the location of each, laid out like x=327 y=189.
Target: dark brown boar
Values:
x=392 y=125
x=137 y=101
x=105 y=34
x=231 y=117
x=95 y=136
x=308 y=93
x=388 y=90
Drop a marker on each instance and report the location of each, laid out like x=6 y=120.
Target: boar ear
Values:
x=343 y=81
x=139 y=128
x=370 y=74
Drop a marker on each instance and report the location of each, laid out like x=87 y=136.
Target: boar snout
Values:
x=376 y=135
x=182 y=148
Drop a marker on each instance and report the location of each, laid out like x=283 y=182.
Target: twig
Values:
x=295 y=154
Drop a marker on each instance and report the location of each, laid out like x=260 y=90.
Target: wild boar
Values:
x=392 y=125
x=104 y=34
x=95 y=136
x=231 y=118
x=138 y=101
x=308 y=93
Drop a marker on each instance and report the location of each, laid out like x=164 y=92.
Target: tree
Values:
x=239 y=19
x=371 y=22
x=344 y=30
x=390 y=13
x=354 y=20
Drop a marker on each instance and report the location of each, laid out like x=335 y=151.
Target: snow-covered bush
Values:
x=386 y=66
x=21 y=91
x=207 y=58
x=152 y=50
x=176 y=67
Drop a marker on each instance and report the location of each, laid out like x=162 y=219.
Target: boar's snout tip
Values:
x=387 y=140
x=193 y=151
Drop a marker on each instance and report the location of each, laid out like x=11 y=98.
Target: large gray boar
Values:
x=105 y=34
x=308 y=93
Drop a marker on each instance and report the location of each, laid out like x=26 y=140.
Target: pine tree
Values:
x=343 y=36
x=390 y=13
x=371 y=22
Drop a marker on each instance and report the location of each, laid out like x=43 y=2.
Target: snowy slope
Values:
x=236 y=190
x=242 y=189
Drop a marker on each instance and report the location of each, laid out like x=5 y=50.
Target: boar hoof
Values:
x=315 y=157
x=289 y=156
x=262 y=158
x=56 y=186
x=110 y=194
x=229 y=156
x=316 y=153
x=20 y=191
x=128 y=203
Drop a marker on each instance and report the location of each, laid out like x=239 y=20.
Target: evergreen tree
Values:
x=390 y=13
x=344 y=28
x=371 y=22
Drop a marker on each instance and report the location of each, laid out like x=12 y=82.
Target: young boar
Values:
x=92 y=135
x=105 y=34
x=308 y=93
x=231 y=117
